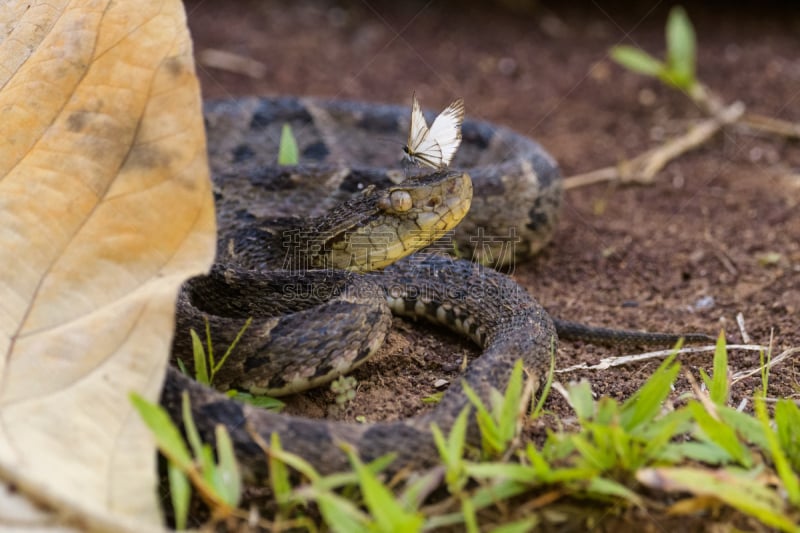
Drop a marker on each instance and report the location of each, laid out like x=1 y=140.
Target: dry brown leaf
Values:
x=105 y=208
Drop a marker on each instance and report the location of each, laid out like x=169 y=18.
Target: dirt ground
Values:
x=717 y=234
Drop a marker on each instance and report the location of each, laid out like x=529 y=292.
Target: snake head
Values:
x=382 y=226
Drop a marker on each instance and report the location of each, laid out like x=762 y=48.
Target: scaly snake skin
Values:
x=331 y=320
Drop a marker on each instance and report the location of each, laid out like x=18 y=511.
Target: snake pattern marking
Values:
x=331 y=319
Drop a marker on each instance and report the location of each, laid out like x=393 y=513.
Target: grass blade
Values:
x=264 y=402
x=545 y=392
x=279 y=475
x=470 y=518
x=787 y=424
x=681 y=48
x=749 y=495
x=607 y=487
x=296 y=462
x=200 y=364
x=384 y=508
x=508 y=413
x=228 y=480
x=718 y=389
x=451 y=450
x=637 y=60
x=581 y=400
x=215 y=368
x=790 y=481
x=168 y=438
x=341 y=514
x=192 y=435
x=720 y=434
x=180 y=493
x=490 y=432
x=288 y=153
x=646 y=402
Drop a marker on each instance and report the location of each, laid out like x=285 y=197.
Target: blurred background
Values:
x=539 y=67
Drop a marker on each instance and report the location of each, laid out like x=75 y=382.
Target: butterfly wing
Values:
x=435 y=147
x=445 y=132
x=419 y=128
x=420 y=147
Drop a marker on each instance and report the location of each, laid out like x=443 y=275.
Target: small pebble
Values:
x=441 y=383
x=706 y=302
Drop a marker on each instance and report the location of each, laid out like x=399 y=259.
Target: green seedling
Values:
x=288 y=153
x=678 y=68
x=205 y=365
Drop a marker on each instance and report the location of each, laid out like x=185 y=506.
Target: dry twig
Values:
x=644 y=167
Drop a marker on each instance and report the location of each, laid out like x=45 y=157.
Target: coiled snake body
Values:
x=311 y=325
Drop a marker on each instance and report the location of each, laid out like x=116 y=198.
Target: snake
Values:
x=316 y=257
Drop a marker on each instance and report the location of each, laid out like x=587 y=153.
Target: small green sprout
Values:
x=205 y=366
x=288 y=153
x=345 y=389
x=678 y=69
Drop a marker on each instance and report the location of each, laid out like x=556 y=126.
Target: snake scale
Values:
x=287 y=249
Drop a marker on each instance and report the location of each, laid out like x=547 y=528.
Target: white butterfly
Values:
x=434 y=147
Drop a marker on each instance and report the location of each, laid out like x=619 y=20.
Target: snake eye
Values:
x=398 y=201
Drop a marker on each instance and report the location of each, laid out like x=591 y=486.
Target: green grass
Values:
x=218 y=482
x=697 y=452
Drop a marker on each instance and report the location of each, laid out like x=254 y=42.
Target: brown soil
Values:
x=717 y=234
